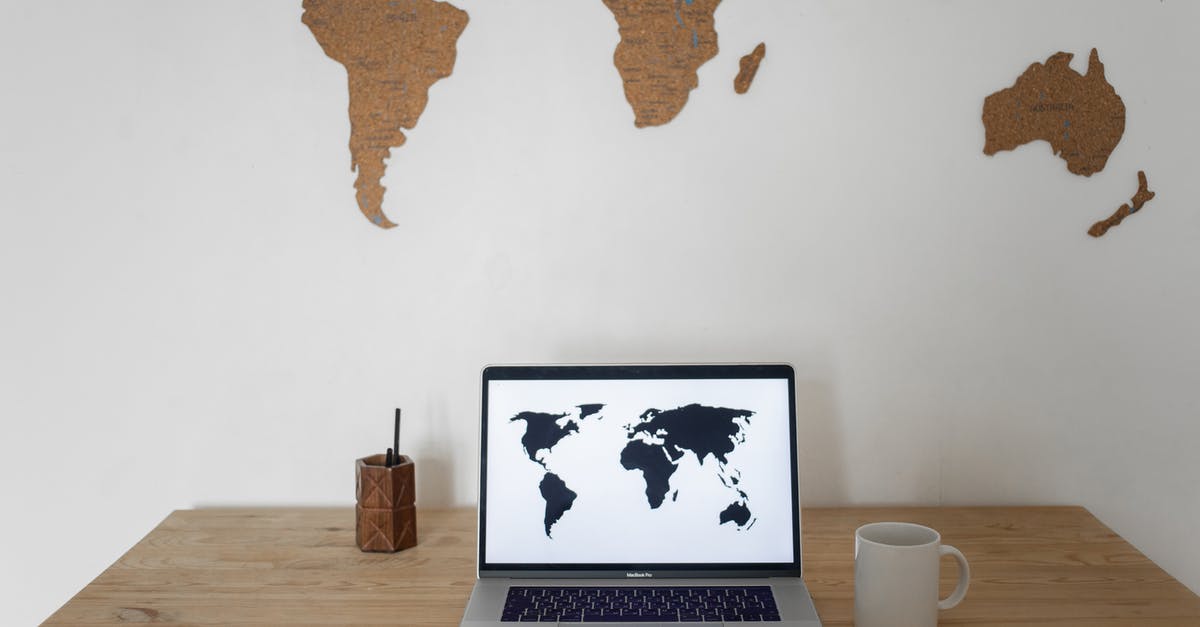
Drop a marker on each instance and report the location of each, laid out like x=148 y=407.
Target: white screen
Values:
x=610 y=519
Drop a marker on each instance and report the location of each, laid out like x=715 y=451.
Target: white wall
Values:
x=195 y=313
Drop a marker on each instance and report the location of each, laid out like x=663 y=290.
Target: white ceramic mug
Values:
x=896 y=575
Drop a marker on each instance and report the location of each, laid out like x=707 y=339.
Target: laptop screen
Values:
x=651 y=468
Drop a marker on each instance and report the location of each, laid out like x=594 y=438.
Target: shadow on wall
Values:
x=436 y=462
x=820 y=446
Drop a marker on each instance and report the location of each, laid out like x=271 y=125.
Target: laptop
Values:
x=639 y=494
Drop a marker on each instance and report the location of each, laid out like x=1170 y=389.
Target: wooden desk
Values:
x=1030 y=565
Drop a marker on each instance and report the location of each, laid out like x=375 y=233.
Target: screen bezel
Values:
x=636 y=371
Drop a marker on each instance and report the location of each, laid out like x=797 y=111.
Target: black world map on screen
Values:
x=656 y=441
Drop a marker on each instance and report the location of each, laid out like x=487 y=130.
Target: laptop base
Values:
x=791 y=595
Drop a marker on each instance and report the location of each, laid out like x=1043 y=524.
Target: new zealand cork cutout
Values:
x=1140 y=198
x=393 y=50
x=663 y=44
x=1080 y=115
x=748 y=67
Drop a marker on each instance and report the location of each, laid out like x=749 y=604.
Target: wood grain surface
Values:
x=1045 y=566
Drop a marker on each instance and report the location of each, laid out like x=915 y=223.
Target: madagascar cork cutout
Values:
x=748 y=67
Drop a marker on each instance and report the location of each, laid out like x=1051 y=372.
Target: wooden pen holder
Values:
x=385 y=518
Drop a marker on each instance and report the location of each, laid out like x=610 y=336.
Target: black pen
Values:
x=396 y=436
x=388 y=461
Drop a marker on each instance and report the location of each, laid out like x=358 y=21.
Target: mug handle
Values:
x=964 y=577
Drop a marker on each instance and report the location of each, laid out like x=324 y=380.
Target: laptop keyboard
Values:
x=640 y=604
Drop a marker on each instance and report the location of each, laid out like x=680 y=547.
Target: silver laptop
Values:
x=637 y=494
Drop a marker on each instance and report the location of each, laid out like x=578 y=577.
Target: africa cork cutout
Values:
x=663 y=44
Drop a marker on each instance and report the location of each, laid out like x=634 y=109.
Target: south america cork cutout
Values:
x=748 y=67
x=393 y=50
x=663 y=44
x=1140 y=198
x=1080 y=115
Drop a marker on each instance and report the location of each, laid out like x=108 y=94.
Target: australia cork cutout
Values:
x=748 y=67
x=393 y=50
x=663 y=43
x=1079 y=115
x=1140 y=198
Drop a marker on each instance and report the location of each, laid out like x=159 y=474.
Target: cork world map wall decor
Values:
x=395 y=50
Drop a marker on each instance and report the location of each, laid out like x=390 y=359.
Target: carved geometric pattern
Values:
x=376 y=489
